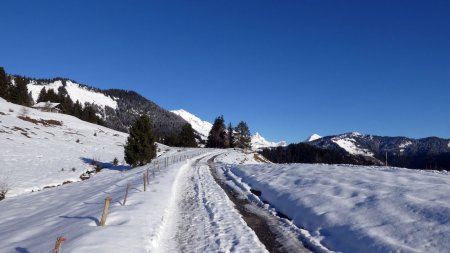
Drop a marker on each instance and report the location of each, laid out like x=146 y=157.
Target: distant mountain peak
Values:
x=313 y=137
x=258 y=142
x=201 y=126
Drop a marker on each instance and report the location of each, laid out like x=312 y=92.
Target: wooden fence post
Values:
x=145 y=182
x=126 y=194
x=58 y=244
x=105 y=211
x=148 y=179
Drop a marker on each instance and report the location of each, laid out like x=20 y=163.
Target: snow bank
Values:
x=359 y=209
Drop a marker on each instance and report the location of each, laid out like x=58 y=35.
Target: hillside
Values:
x=41 y=149
x=117 y=108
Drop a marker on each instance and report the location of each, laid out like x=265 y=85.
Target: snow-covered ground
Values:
x=354 y=208
x=32 y=222
x=37 y=154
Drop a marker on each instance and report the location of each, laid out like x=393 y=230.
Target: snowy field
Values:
x=38 y=154
x=32 y=222
x=353 y=208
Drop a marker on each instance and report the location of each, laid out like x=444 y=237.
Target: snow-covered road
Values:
x=202 y=218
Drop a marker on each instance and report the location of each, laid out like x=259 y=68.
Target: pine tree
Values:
x=230 y=136
x=4 y=84
x=19 y=92
x=42 y=95
x=217 y=135
x=140 y=148
x=187 y=137
x=243 y=137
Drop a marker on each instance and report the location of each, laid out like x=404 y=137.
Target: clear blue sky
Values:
x=288 y=68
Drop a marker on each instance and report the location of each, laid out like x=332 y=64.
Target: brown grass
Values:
x=48 y=122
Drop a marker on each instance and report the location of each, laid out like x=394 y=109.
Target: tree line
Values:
x=232 y=137
x=14 y=89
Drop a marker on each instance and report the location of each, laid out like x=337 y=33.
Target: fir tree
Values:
x=140 y=148
x=19 y=92
x=243 y=137
x=230 y=136
x=4 y=84
x=42 y=95
x=187 y=137
x=217 y=135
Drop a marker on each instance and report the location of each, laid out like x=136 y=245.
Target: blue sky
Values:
x=287 y=68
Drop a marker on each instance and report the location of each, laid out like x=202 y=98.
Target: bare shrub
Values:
x=4 y=188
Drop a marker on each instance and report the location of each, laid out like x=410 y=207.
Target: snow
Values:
x=355 y=208
x=76 y=92
x=448 y=144
x=32 y=222
x=201 y=126
x=202 y=218
x=313 y=137
x=348 y=143
x=259 y=142
x=405 y=144
x=35 y=155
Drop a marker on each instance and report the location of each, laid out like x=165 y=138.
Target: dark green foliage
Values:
x=131 y=105
x=187 y=137
x=231 y=140
x=306 y=153
x=19 y=92
x=4 y=84
x=140 y=148
x=217 y=135
x=243 y=138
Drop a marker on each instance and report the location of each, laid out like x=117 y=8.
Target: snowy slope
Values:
x=201 y=126
x=348 y=142
x=76 y=92
x=32 y=222
x=355 y=208
x=35 y=155
x=259 y=142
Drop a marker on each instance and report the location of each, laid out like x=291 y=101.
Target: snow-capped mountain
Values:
x=201 y=126
x=402 y=151
x=118 y=108
x=259 y=142
x=313 y=137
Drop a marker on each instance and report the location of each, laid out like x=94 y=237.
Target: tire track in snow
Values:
x=203 y=219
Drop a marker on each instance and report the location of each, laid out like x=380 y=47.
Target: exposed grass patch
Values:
x=48 y=122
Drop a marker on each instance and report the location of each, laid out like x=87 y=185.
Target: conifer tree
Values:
x=217 y=135
x=4 y=84
x=19 y=92
x=42 y=95
x=187 y=137
x=140 y=148
x=230 y=136
x=243 y=137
